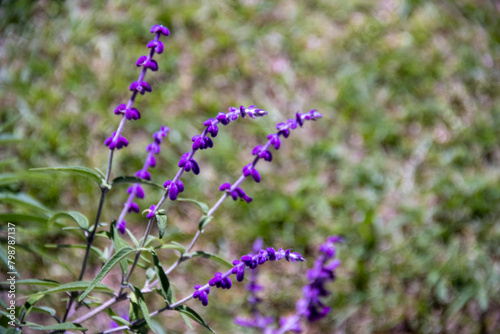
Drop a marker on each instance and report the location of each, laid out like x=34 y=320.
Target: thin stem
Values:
x=95 y=311
x=90 y=239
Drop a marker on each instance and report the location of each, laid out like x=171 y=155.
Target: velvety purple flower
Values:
x=202 y=295
x=223 y=280
x=174 y=188
x=151 y=212
x=141 y=87
x=157 y=45
x=136 y=190
x=239 y=193
x=120 y=226
x=147 y=63
x=115 y=141
x=132 y=114
x=160 y=29
x=261 y=153
x=225 y=186
x=133 y=207
x=250 y=170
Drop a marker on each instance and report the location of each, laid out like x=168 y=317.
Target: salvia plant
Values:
x=81 y=304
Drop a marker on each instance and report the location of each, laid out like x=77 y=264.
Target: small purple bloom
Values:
x=225 y=186
x=117 y=142
x=137 y=190
x=141 y=87
x=160 y=29
x=133 y=207
x=157 y=45
x=151 y=212
x=143 y=174
x=121 y=226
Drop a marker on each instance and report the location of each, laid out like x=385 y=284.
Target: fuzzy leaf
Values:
x=203 y=206
x=183 y=309
x=117 y=257
x=64 y=326
x=161 y=220
x=133 y=179
x=164 y=283
x=74 y=286
x=23 y=200
x=73 y=170
x=204 y=220
x=143 y=307
x=211 y=256
x=80 y=219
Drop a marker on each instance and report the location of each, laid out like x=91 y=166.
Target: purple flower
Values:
x=141 y=87
x=151 y=212
x=115 y=141
x=121 y=226
x=202 y=295
x=250 y=170
x=147 y=63
x=160 y=29
x=174 y=188
x=136 y=190
x=223 y=280
x=310 y=306
x=157 y=45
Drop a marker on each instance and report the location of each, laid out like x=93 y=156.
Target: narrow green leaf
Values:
x=80 y=219
x=203 y=206
x=133 y=179
x=119 y=243
x=73 y=170
x=212 y=257
x=74 y=286
x=43 y=309
x=68 y=326
x=133 y=238
x=117 y=257
x=40 y=282
x=20 y=217
x=28 y=306
x=143 y=307
x=174 y=245
x=120 y=320
x=161 y=220
x=204 y=220
x=183 y=309
x=164 y=283
x=23 y=200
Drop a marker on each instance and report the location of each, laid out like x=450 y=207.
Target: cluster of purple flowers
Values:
x=116 y=140
x=310 y=307
x=200 y=142
x=262 y=152
x=136 y=189
x=223 y=280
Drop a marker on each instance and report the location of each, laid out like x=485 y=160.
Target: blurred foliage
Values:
x=404 y=164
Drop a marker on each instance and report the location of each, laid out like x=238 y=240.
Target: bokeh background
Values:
x=404 y=165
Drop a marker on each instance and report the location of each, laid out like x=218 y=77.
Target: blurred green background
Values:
x=404 y=164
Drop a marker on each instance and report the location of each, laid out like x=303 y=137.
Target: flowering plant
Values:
x=143 y=253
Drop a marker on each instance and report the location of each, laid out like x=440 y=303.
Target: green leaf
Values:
x=120 y=320
x=43 y=309
x=204 y=220
x=23 y=200
x=133 y=179
x=174 y=245
x=117 y=257
x=64 y=326
x=74 y=286
x=40 y=282
x=119 y=243
x=29 y=305
x=80 y=219
x=73 y=170
x=211 y=256
x=143 y=307
x=203 y=206
x=183 y=309
x=20 y=217
x=161 y=220
x=164 y=283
